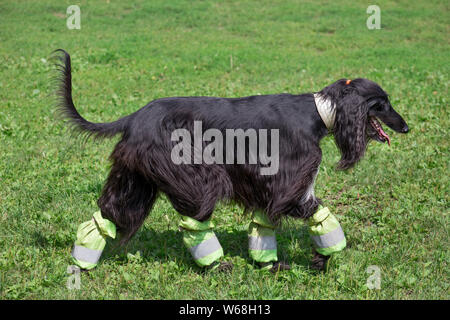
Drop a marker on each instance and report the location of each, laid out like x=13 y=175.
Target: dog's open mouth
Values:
x=379 y=135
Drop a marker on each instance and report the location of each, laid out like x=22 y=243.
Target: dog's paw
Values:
x=275 y=267
x=319 y=261
x=280 y=266
x=220 y=266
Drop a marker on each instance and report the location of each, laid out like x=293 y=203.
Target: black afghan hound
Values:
x=142 y=165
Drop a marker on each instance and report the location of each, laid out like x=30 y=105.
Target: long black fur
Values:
x=142 y=165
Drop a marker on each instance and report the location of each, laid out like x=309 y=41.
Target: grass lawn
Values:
x=393 y=206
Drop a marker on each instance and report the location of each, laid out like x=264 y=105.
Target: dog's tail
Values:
x=68 y=110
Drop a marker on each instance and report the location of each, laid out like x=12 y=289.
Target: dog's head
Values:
x=360 y=105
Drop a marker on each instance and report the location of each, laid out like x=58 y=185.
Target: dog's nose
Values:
x=405 y=129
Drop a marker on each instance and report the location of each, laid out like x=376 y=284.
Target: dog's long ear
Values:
x=350 y=128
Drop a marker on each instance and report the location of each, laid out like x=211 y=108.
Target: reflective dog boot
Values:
x=201 y=241
x=262 y=243
x=91 y=240
x=326 y=232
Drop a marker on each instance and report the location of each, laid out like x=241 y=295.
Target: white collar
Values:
x=326 y=110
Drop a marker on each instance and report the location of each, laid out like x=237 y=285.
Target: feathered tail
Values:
x=69 y=111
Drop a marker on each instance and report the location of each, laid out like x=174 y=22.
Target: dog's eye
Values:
x=379 y=107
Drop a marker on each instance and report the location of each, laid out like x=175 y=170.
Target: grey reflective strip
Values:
x=205 y=248
x=262 y=243
x=329 y=239
x=85 y=254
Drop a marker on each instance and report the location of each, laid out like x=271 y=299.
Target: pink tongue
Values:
x=383 y=134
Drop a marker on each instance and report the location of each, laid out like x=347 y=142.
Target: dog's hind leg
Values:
x=91 y=240
x=201 y=241
x=126 y=199
x=125 y=202
x=194 y=194
x=262 y=243
x=198 y=236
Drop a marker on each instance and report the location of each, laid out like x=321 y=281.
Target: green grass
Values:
x=393 y=206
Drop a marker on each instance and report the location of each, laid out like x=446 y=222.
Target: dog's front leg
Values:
x=323 y=227
x=327 y=236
